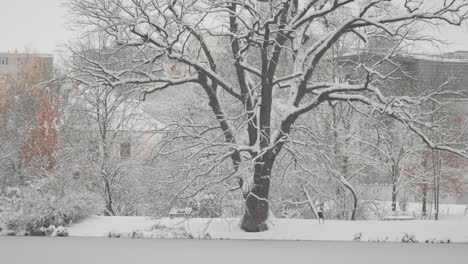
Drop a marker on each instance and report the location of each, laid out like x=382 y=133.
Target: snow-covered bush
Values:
x=9 y=199
x=157 y=231
x=32 y=213
x=409 y=238
x=60 y=232
x=75 y=206
x=42 y=207
x=379 y=239
x=163 y=231
x=357 y=236
x=372 y=210
x=49 y=230
x=364 y=211
x=441 y=241
x=10 y=233
x=114 y=234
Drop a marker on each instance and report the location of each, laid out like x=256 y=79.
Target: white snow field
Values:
x=452 y=228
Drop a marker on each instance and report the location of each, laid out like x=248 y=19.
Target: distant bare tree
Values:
x=104 y=122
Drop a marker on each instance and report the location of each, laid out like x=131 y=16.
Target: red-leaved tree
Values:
x=40 y=148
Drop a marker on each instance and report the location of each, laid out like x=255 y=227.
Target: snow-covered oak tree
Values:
x=277 y=48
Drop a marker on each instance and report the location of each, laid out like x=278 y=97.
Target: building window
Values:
x=3 y=60
x=125 y=150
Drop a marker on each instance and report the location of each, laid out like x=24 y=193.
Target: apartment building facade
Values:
x=12 y=62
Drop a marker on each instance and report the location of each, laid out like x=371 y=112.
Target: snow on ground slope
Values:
x=101 y=225
x=280 y=229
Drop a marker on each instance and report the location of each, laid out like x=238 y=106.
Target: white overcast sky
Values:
x=39 y=25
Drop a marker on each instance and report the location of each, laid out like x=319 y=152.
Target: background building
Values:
x=11 y=63
x=416 y=75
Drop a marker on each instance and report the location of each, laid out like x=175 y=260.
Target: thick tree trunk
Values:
x=340 y=193
x=424 y=200
x=109 y=211
x=437 y=166
x=355 y=202
x=436 y=201
x=394 y=187
x=394 y=197
x=350 y=188
x=109 y=207
x=256 y=201
x=353 y=192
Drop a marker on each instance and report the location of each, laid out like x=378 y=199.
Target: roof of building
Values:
x=444 y=58
x=419 y=72
x=16 y=54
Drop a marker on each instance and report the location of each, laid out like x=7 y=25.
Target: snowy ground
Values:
x=453 y=229
x=446 y=211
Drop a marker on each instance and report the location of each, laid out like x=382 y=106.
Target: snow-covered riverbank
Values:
x=453 y=230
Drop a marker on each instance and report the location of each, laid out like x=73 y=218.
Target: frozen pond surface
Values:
x=15 y=250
